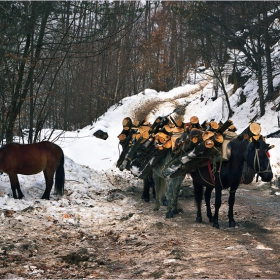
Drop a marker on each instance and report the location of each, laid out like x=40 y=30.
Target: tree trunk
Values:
x=20 y=94
x=268 y=56
x=259 y=71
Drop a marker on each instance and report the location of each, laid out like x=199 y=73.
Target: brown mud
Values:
x=142 y=244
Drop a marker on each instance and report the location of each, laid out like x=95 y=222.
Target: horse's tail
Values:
x=60 y=177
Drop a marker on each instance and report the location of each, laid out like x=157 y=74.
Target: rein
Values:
x=257 y=161
x=256 y=164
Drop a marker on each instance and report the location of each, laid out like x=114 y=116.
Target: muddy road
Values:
x=141 y=244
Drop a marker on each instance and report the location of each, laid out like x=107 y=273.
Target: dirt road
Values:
x=141 y=243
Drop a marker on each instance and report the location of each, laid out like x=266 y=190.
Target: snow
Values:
x=90 y=165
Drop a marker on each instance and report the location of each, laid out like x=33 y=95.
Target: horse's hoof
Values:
x=156 y=209
x=231 y=224
x=169 y=215
x=146 y=199
x=198 y=219
x=177 y=211
x=216 y=225
x=164 y=203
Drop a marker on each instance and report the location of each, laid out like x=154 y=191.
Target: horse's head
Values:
x=258 y=159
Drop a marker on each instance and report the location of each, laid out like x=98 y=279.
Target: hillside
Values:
x=101 y=228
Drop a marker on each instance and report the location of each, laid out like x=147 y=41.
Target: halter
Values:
x=257 y=161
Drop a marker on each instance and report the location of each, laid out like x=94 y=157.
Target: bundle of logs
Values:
x=190 y=144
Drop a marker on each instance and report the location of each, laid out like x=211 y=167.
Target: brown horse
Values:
x=31 y=159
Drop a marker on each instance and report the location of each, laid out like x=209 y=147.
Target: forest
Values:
x=64 y=63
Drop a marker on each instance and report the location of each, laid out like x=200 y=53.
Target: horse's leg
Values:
x=48 y=174
x=218 y=203
x=207 y=196
x=198 y=194
x=231 y=201
x=164 y=201
x=169 y=198
x=153 y=188
x=148 y=184
x=146 y=191
x=159 y=189
x=176 y=190
x=15 y=186
x=173 y=186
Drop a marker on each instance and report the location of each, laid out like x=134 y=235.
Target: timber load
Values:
x=191 y=144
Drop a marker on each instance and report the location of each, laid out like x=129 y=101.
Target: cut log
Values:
x=178 y=122
x=194 y=120
x=254 y=129
x=207 y=134
x=162 y=135
x=218 y=138
x=187 y=126
x=122 y=137
x=213 y=126
x=167 y=144
x=158 y=124
x=232 y=128
x=176 y=130
x=125 y=132
x=146 y=134
x=195 y=135
x=171 y=130
x=127 y=122
x=159 y=147
x=224 y=126
x=126 y=143
x=143 y=128
x=209 y=144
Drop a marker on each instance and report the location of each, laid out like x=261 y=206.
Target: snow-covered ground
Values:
x=90 y=164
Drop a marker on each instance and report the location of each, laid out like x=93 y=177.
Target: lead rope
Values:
x=204 y=179
x=257 y=160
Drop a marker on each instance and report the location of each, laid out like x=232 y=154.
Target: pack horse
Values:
x=28 y=159
x=247 y=159
x=214 y=155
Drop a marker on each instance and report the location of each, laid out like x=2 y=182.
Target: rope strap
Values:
x=210 y=171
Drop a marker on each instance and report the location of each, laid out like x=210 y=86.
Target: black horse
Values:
x=247 y=159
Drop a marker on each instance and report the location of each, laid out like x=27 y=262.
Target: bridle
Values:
x=257 y=164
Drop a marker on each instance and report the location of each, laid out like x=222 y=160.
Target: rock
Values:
x=100 y=134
